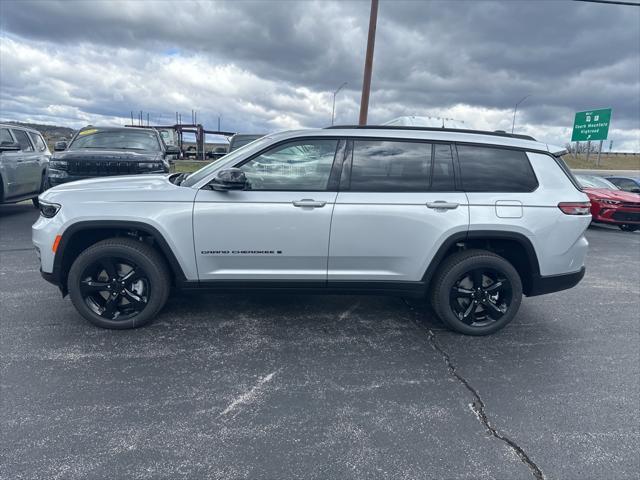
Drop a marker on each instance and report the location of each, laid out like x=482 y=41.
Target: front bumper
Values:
x=617 y=216
x=543 y=284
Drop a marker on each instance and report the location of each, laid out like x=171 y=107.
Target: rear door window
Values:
x=38 y=142
x=487 y=169
x=23 y=139
x=390 y=166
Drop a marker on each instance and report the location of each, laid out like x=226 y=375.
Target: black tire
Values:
x=139 y=293
x=472 y=309
x=628 y=228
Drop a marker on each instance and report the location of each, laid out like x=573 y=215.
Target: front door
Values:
x=276 y=229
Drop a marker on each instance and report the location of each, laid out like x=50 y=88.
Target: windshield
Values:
x=591 y=181
x=116 y=139
x=198 y=175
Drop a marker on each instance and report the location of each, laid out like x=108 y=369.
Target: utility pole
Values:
x=218 y=122
x=599 y=153
x=513 y=124
x=333 y=109
x=368 y=63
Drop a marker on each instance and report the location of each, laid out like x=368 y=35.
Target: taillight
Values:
x=575 y=208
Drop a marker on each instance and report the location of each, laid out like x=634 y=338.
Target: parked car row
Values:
x=27 y=167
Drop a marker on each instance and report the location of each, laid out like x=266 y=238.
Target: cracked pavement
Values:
x=276 y=386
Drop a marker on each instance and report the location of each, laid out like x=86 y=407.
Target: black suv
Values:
x=103 y=151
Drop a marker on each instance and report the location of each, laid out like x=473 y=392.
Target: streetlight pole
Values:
x=515 y=109
x=333 y=109
x=368 y=64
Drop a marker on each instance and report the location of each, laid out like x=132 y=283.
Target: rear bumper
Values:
x=543 y=284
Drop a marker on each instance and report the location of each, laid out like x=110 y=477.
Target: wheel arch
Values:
x=79 y=236
x=513 y=246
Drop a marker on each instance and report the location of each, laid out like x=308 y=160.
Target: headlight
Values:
x=608 y=202
x=58 y=164
x=150 y=165
x=49 y=210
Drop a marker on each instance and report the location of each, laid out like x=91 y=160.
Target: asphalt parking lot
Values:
x=275 y=386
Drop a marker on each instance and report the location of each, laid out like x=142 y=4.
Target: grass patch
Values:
x=185 y=166
x=607 y=162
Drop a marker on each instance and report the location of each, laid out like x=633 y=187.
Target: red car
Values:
x=610 y=204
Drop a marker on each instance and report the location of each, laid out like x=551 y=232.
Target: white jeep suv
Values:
x=472 y=219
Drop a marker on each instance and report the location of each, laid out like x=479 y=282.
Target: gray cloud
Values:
x=267 y=64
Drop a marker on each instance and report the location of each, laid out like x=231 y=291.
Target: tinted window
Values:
x=487 y=169
x=38 y=142
x=23 y=140
x=443 y=178
x=5 y=136
x=624 y=183
x=390 y=166
x=302 y=165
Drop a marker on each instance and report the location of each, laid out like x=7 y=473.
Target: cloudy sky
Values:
x=272 y=65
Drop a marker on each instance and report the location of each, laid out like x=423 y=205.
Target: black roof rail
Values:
x=497 y=133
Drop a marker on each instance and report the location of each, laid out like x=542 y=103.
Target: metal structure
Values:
x=181 y=128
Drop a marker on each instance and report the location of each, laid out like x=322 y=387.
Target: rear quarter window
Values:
x=488 y=169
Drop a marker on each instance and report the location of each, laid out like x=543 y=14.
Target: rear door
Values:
x=279 y=228
x=397 y=203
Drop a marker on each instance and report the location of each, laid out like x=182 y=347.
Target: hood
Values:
x=608 y=194
x=93 y=154
x=130 y=188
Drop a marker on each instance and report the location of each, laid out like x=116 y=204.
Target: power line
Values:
x=612 y=2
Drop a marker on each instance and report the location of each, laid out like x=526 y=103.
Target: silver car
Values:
x=24 y=163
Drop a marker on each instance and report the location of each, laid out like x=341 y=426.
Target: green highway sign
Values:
x=591 y=125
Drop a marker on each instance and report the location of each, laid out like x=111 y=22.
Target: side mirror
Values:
x=10 y=147
x=59 y=146
x=172 y=150
x=635 y=190
x=229 y=179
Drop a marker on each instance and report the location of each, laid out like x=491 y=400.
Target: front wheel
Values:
x=628 y=228
x=119 y=283
x=476 y=292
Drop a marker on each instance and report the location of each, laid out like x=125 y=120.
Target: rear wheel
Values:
x=628 y=228
x=476 y=292
x=119 y=283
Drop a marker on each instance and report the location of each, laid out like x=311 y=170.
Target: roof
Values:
x=21 y=127
x=422 y=133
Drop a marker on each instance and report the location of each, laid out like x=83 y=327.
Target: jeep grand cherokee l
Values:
x=107 y=151
x=473 y=220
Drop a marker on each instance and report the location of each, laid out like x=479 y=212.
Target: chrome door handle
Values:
x=309 y=203
x=442 y=205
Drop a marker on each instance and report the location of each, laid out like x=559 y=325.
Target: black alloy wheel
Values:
x=115 y=288
x=626 y=227
x=476 y=292
x=119 y=283
x=480 y=297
